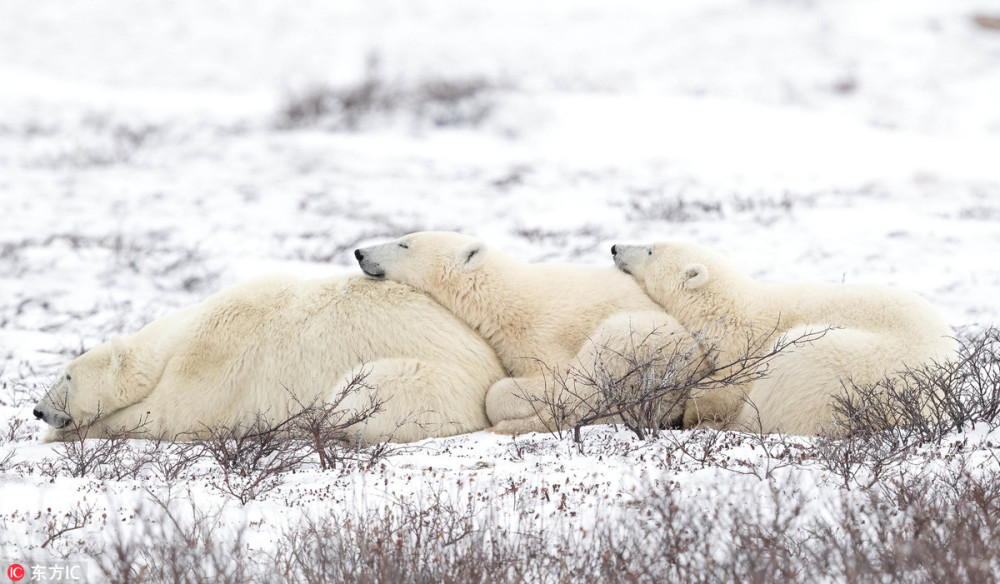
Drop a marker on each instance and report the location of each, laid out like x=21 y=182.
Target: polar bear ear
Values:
x=695 y=275
x=119 y=352
x=471 y=256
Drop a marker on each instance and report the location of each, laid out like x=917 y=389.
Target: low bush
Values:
x=438 y=102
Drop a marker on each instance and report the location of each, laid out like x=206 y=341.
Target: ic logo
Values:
x=15 y=572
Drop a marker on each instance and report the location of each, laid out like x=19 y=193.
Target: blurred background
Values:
x=153 y=152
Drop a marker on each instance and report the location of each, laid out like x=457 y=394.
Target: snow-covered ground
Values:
x=152 y=153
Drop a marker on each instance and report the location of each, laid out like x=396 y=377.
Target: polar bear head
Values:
x=687 y=280
x=95 y=384
x=432 y=261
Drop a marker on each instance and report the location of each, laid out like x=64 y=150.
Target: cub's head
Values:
x=687 y=280
x=95 y=384
x=429 y=260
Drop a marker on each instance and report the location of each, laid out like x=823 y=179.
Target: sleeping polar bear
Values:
x=268 y=346
x=864 y=334
x=554 y=326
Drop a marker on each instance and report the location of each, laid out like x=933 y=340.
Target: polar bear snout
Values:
x=620 y=260
x=630 y=258
x=371 y=268
x=56 y=420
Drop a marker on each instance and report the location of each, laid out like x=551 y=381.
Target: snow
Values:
x=145 y=166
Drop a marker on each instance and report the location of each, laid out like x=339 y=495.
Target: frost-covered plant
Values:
x=662 y=374
x=253 y=456
x=882 y=425
x=436 y=101
x=113 y=456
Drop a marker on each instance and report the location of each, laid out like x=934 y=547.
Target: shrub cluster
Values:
x=439 y=102
x=892 y=520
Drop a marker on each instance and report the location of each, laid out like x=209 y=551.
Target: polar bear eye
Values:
x=649 y=252
x=68 y=377
x=404 y=245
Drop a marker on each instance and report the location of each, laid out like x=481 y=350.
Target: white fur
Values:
x=247 y=349
x=544 y=320
x=874 y=332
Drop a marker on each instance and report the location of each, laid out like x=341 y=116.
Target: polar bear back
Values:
x=830 y=339
x=537 y=317
x=283 y=333
x=273 y=345
x=865 y=307
x=562 y=306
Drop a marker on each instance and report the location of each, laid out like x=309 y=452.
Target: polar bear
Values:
x=268 y=347
x=858 y=334
x=556 y=327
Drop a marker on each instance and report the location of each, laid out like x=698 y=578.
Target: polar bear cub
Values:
x=545 y=321
x=269 y=346
x=864 y=334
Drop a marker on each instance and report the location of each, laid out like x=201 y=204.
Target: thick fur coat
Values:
x=545 y=321
x=270 y=345
x=865 y=334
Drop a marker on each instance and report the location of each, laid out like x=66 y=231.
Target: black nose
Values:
x=614 y=250
x=38 y=414
x=360 y=256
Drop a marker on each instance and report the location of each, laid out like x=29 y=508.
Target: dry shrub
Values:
x=940 y=529
x=6 y=460
x=78 y=517
x=171 y=461
x=14 y=432
x=646 y=386
x=926 y=403
x=643 y=387
x=439 y=102
x=883 y=425
x=171 y=263
x=117 y=455
x=166 y=542
x=432 y=540
x=331 y=432
x=687 y=202
x=109 y=457
x=14 y=391
x=253 y=456
x=944 y=529
x=975 y=379
x=931 y=527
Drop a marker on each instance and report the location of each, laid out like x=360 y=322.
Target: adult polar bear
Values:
x=545 y=321
x=871 y=332
x=245 y=350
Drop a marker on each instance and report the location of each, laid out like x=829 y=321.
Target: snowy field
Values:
x=153 y=153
